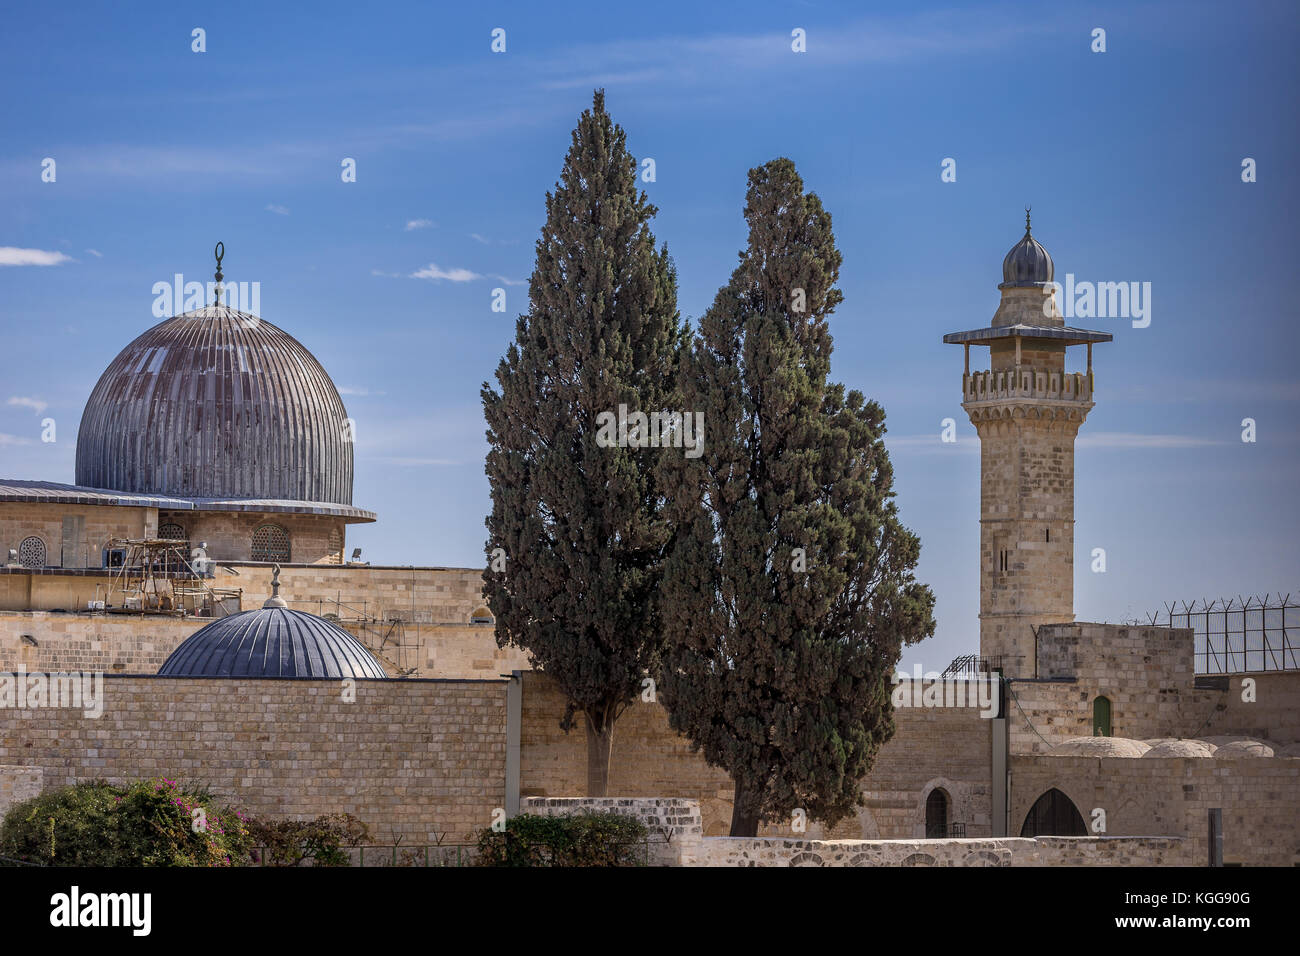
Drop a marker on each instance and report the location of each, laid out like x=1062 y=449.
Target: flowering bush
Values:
x=146 y=823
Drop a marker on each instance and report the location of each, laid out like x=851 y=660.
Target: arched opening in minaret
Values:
x=1053 y=814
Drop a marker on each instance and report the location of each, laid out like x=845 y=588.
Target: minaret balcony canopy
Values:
x=1062 y=334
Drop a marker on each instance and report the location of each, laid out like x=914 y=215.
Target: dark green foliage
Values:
x=320 y=842
x=579 y=523
x=781 y=675
x=148 y=823
x=581 y=838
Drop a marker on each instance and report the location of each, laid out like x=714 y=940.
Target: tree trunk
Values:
x=600 y=743
x=743 y=823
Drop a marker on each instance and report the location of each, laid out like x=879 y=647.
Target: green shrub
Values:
x=146 y=823
x=580 y=838
x=293 y=842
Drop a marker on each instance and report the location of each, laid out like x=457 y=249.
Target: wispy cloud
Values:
x=22 y=401
x=13 y=256
x=6 y=440
x=437 y=274
x=413 y=224
x=1133 y=440
x=931 y=445
x=357 y=390
x=96 y=253
x=278 y=210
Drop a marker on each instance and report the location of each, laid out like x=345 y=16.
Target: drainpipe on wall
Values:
x=514 y=723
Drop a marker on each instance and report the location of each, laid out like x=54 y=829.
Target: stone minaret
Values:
x=1027 y=410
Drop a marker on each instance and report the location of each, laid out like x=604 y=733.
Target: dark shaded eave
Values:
x=1065 y=334
x=54 y=493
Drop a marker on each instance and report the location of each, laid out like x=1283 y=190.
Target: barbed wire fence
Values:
x=1240 y=634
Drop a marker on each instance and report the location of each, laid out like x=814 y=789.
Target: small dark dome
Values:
x=1027 y=264
x=272 y=642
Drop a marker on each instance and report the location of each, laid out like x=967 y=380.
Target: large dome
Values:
x=217 y=403
x=272 y=642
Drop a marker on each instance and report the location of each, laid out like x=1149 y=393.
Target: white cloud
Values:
x=432 y=271
x=35 y=404
x=278 y=210
x=386 y=275
x=12 y=440
x=419 y=224
x=96 y=253
x=1132 y=440
x=477 y=238
x=13 y=256
x=357 y=390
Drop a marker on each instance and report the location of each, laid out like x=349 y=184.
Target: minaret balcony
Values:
x=1026 y=384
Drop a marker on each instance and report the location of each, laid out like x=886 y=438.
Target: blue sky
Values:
x=1131 y=159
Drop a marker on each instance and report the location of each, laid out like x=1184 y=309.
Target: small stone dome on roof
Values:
x=1028 y=264
x=1099 y=747
x=1239 y=749
x=1181 y=748
x=272 y=641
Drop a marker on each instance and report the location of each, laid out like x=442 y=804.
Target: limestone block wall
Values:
x=1042 y=851
x=108 y=643
x=434 y=605
x=1147 y=674
x=18 y=783
x=313 y=539
x=1146 y=796
x=98 y=524
x=418 y=760
x=673 y=824
x=948 y=748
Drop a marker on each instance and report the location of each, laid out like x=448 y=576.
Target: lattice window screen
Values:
x=271 y=543
x=31 y=552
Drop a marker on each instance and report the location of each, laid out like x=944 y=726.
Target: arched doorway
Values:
x=1101 y=717
x=1053 y=814
x=936 y=814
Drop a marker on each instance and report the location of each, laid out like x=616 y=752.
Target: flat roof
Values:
x=1060 y=333
x=52 y=492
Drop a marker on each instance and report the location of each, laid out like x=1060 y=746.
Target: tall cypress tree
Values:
x=579 y=523
x=788 y=592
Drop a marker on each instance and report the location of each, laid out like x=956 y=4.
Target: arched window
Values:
x=481 y=616
x=936 y=814
x=31 y=552
x=1053 y=814
x=1101 y=717
x=271 y=543
x=177 y=559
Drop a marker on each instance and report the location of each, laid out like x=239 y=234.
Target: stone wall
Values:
x=672 y=824
x=1147 y=674
x=416 y=620
x=947 y=748
x=1042 y=851
x=18 y=783
x=98 y=523
x=1259 y=797
x=418 y=760
x=313 y=539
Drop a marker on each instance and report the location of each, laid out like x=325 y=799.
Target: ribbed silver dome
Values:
x=1028 y=263
x=217 y=403
x=272 y=642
